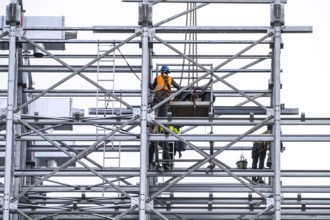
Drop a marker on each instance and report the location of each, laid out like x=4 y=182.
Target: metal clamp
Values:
x=13 y=205
x=134 y=201
x=150 y=205
x=136 y=111
x=270 y=202
x=151 y=116
x=270 y=112
x=151 y=32
x=17 y=116
x=19 y=32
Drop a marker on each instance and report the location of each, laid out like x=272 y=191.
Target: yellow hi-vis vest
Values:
x=172 y=128
x=264 y=142
x=160 y=79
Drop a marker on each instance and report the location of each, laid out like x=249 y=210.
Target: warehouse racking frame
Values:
x=192 y=190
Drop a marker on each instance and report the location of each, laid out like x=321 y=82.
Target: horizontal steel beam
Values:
x=183 y=121
x=178 y=29
x=45 y=200
x=208 y=29
x=212 y=1
x=128 y=93
x=136 y=56
x=117 y=69
x=132 y=172
x=187 y=137
x=183 y=188
x=114 y=148
x=4 y=42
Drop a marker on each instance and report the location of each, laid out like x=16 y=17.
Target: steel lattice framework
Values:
x=203 y=184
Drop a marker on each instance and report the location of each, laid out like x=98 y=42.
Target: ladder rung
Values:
x=111 y=157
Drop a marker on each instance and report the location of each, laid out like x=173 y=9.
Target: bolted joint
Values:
x=151 y=116
x=270 y=112
x=149 y=205
x=134 y=202
x=13 y=205
x=270 y=202
x=17 y=116
x=13 y=14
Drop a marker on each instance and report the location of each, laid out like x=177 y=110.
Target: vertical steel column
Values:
x=144 y=113
x=276 y=69
x=12 y=74
x=20 y=146
x=144 y=131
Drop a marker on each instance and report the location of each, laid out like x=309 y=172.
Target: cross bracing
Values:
x=54 y=166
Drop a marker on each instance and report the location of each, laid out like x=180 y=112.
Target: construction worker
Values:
x=169 y=150
x=162 y=88
x=259 y=151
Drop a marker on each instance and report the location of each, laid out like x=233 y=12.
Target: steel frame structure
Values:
x=192 y=190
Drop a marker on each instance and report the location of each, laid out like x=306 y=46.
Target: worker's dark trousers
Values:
x=258 y=154
x=166 y=154
x=160 y=96
x=153 y=153
x=153 y=157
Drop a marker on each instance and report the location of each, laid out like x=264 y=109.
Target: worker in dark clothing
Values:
x=169 y=151
x=162 y=87
x=259 y=151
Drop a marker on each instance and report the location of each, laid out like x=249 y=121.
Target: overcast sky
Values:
x=305 y=75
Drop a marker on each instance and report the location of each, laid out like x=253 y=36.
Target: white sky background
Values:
x=305 y=60
x=304 y=57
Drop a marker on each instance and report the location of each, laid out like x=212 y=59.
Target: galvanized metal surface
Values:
x=62 y=177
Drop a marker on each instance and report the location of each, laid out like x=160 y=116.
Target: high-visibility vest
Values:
x=264 y=142
x=160 y=79
x=172 y=128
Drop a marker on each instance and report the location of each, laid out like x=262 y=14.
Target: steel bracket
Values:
x=134 y=202
x=17 y=116
x=270 y=202
x=13 y=205
x=270 y=112
x=151 y=32
x=19 y=32
x=136 y=111
x=150 y=205
x=151 y=116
